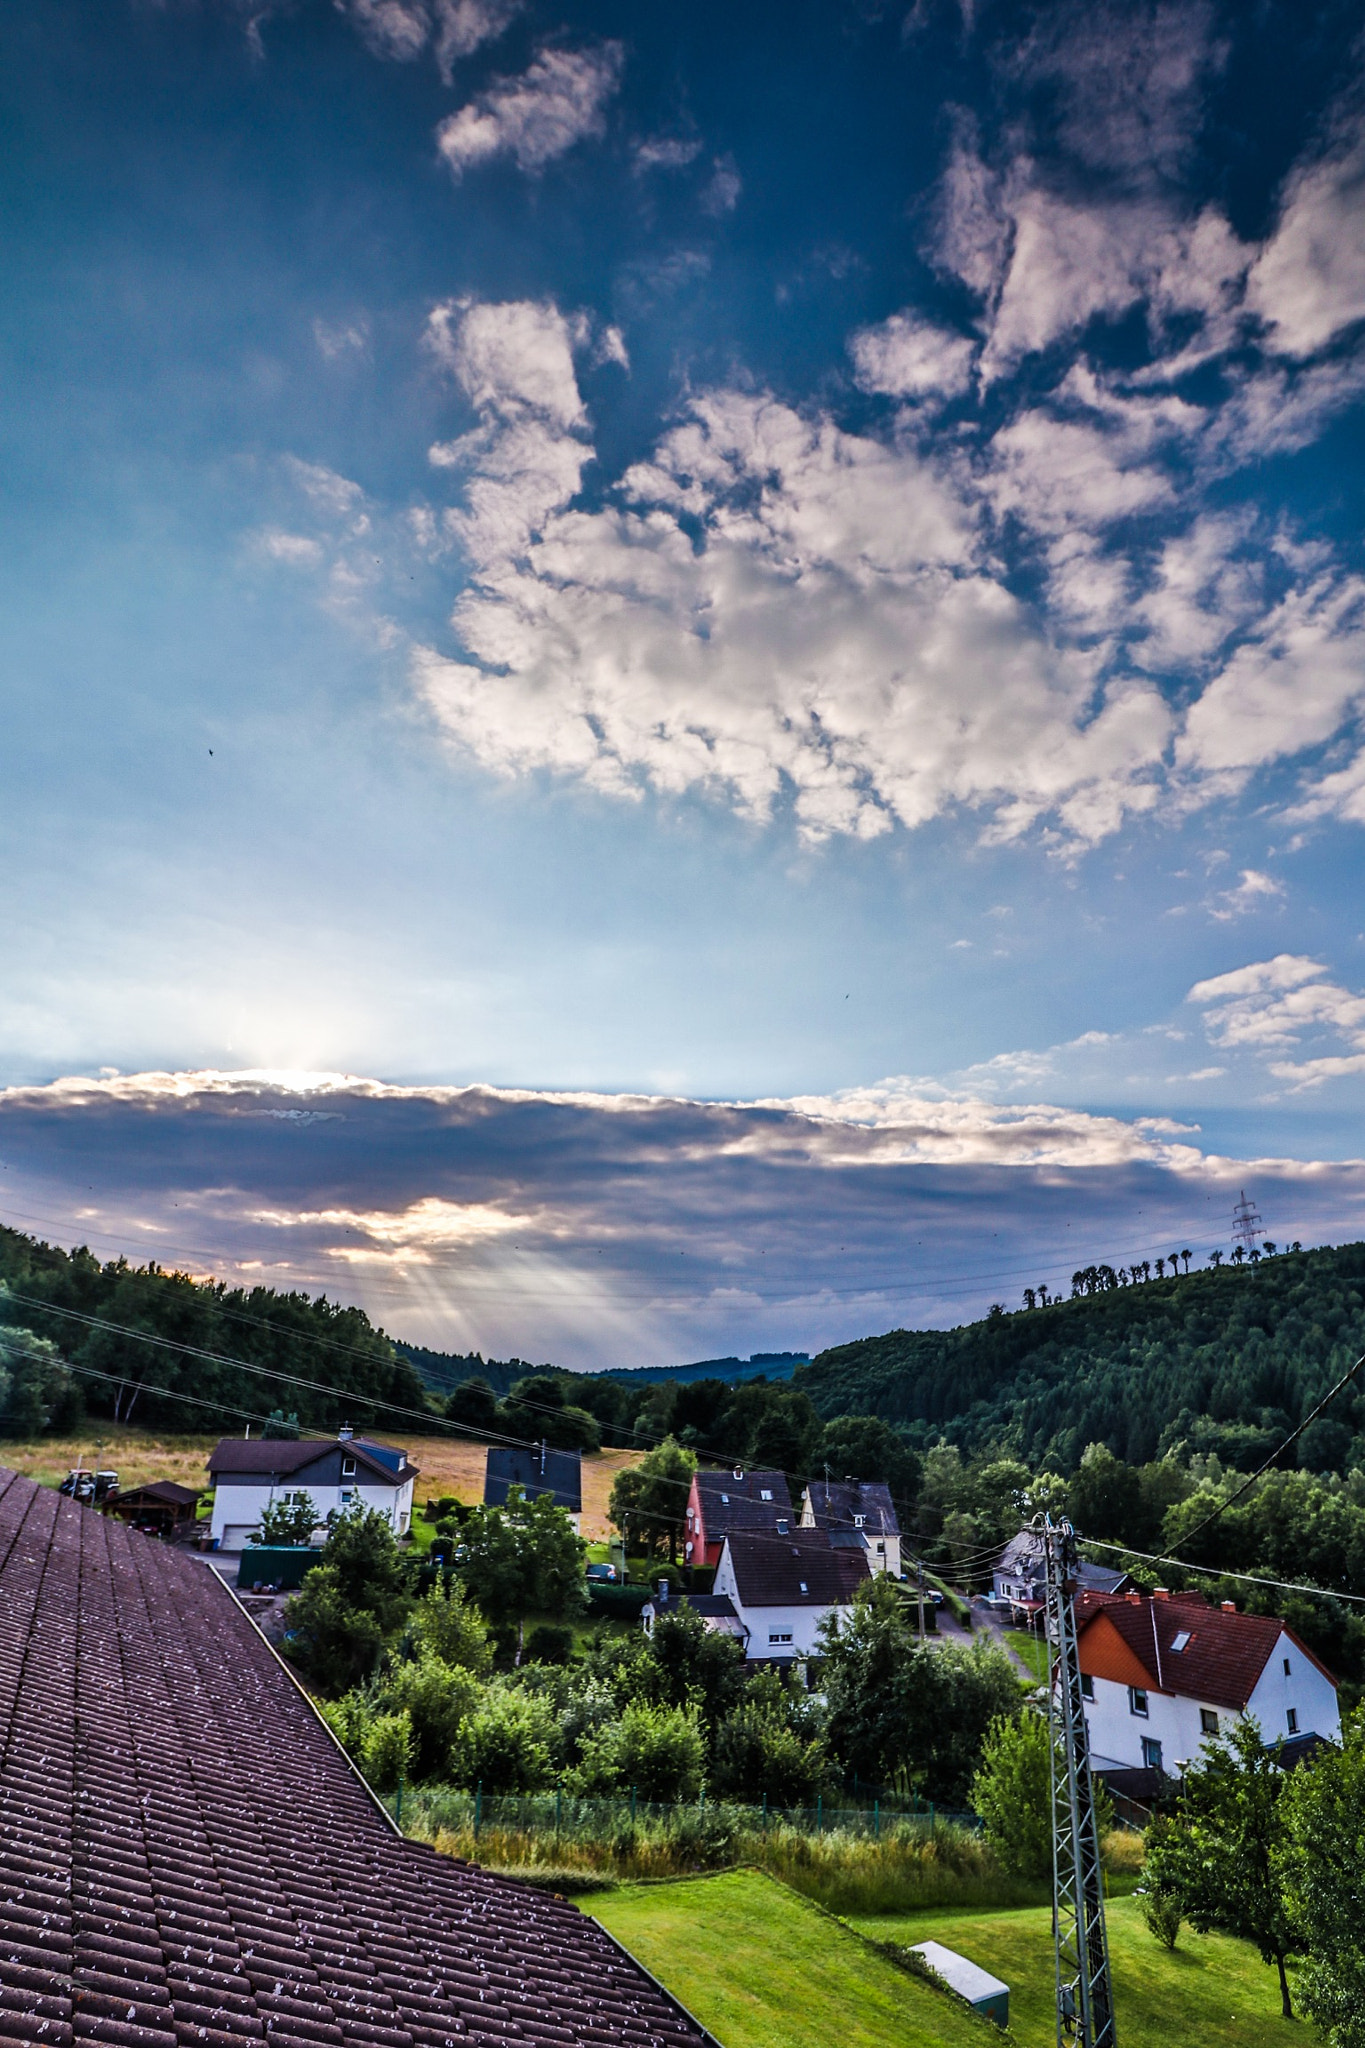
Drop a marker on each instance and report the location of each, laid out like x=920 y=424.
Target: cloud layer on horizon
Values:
x=601 y=1230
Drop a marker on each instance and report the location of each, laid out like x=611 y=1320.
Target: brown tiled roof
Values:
x=167 y=1491
x=260 y=1457
x=1222 y=1660
x=188 y=1861
x=735 y=1501
x=800 y=1570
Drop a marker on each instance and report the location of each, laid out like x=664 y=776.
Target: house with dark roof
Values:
x=1020 y=1576
x=338 y=1474
x=1160 y=1672
x=782 y=1588
x=536 y=1469
x=721 y=1503
x=188 y=1859
x=859 y=1513
x=717 y=1612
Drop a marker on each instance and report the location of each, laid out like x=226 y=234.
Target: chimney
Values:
x=1229 y=1606
x=1161 y=1592
x=1134 y=1599
x=345 y=1433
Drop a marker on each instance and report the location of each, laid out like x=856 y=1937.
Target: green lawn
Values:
x=762 y=1968
x=1030 y=1650
x=1211 y=1991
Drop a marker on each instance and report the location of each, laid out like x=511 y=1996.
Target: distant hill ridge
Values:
x=1226 y=1360
x=443 y=1371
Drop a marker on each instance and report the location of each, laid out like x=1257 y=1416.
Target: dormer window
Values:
x=784 y=1528
x=1182 y=1638
x=858 y=1521
x=348 y=1468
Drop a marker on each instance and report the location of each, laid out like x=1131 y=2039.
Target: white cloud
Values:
x=909 y=357
x=325 y=489
x=297 y=549
x=830 y=631
x=667 y=152
x=341 y=337
x=1251 y=892
x=611 y=348
x=1309 y=281
x=1286 y=688
x=1272 y=1005
x=401 y=30
x=724 y=187
x=559 y=101
x=1206 y=585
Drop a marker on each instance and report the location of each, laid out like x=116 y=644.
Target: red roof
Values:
x=1220 y=1659
x=187 y=1859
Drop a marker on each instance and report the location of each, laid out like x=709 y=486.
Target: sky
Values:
x=680 y=680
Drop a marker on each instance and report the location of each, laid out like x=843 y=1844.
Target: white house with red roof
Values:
x=1160 y=1672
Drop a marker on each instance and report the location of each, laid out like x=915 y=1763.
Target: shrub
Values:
x=549 y=1645
x=437 y=1699
x=756 y=1755
x=1012 y=1792
x=659 y=1751
x=448 y=1624
x=387 y=1755
x=334 y=1643
x=508 y=1744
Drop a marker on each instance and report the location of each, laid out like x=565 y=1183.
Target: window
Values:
x=804 y=1587
x=858 y=1521
x=348 y=1468
x=1151 y=1753
x=1208 y=1721
x=1292 y=1717
x=725 y=1500
x=765 y=1493
x=1286 y=1667
x=1181 y=1639
x=779 y=1635
x=784 y=1529
x=1087 y=1686
x=347 y=1495
x=1137 y=1700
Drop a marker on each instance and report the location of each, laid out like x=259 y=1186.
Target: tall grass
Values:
x=845 y=1868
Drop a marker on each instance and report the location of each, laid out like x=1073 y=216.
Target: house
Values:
x=338 y=1474
x=781 y=1588
x=715 y=1609
x=536 y=1469
x=160 y=1505
x=190 y=1860
x=859 y=1511
x=1020 y=1576
x=1161 y=1671
x=720 y=1503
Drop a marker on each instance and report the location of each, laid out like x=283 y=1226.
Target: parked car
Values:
x=603 y=1574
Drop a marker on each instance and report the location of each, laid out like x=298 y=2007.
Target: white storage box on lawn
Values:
x=984 y=1993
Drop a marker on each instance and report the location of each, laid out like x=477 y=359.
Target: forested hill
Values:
x=1226 y=1360
x=49 y=1360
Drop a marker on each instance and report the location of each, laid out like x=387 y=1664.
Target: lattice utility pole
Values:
x=1085 y=2010
x=1246 y=1223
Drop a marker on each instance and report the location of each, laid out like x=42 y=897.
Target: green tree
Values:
x=289 y=1520
x=508 y=1744
x=372 y=1572
x=1012 y=1792
x=448 y=1625
x=1324 y=1871
x=437 y=1698
x=695 y=1665
x=473 y=1405
x=866 y=1447
x=649 y=1501
x=523 y=1559
x=1161 y=1906
x=758 y=1753
x=387 y=1751
x=1222 y=1860
x=38 y=1392
x=905 y=1711
x=660 y=1751
x=335 y=1643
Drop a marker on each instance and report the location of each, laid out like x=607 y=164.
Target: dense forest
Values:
x=75 y=1338
x=1225 y=1361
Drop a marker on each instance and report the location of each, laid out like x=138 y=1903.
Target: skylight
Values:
x=804 y=1587
x=765 y=1493
x=1181 y=1639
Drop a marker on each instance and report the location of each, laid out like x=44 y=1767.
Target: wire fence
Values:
x=561 y=1815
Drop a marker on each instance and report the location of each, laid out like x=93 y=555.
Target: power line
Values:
x=1209 y=1571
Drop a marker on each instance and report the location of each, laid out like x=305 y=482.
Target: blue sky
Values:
x=803 y=556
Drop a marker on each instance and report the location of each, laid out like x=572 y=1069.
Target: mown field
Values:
x=448 y=1465
x=762 y=1968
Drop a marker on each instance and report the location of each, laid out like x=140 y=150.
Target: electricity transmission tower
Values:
x=1085 y=2010
x=1246 y=1224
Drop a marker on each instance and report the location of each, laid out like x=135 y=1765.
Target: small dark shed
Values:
x=161 y=1504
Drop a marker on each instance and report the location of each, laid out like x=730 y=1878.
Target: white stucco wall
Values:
x=1116 y=1732
x=239 y=1504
